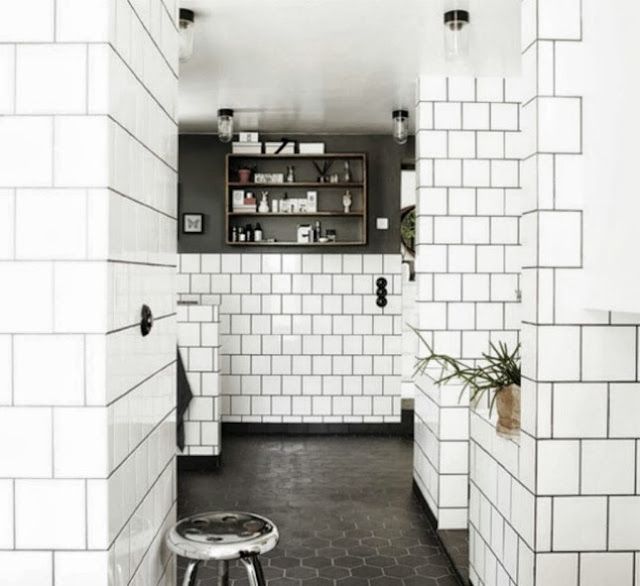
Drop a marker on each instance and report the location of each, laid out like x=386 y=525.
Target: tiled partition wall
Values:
x=566 y=504
x=199 y=342
x=302 y=339
x=468 y=265
x=87 y=235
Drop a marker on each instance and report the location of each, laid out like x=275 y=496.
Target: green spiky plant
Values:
x=499 y=368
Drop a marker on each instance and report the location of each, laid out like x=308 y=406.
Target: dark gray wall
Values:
x=201 y=176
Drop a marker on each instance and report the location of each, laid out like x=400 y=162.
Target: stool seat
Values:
x=223 y=536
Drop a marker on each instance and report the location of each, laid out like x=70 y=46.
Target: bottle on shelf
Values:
x=257 y=233
x=317 y=231
x=249 y=231
x=234 y=234
x=242 y=237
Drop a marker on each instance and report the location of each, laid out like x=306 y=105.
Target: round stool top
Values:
x=222 y=535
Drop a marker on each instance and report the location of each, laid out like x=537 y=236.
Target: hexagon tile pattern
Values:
x=344 y=507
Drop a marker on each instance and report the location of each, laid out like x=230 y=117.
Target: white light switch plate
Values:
x=382 y=223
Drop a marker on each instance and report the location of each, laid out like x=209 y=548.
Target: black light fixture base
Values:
x=456 y=16
x=225 y=112
x=188 y=15
x=400 y=114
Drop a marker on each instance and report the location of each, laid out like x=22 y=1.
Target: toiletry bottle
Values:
x=257 y=233
x=249 y=230
x=234 y=234
x=242 y=237
x=317 y=233
x=275 y=206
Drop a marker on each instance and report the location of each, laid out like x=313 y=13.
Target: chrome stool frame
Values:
x=222 y=536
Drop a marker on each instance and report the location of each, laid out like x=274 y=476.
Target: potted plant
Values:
x=497 y=374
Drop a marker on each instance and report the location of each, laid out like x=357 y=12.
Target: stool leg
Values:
x=191 y=573
x=223 y=573
x=254 y=570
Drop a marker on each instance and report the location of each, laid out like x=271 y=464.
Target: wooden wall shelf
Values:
x=351 y=227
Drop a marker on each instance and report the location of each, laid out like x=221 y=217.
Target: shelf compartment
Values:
x=293 y=214
x=265 y=243
x=301 y=185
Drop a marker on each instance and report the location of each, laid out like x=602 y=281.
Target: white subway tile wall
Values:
x=88 y=140
x=199 y=344
x=467 y=263
x=301 y=337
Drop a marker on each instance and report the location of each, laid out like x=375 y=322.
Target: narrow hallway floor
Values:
x=344 y=507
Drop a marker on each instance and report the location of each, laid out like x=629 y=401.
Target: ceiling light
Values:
x=400 y=126
x=187 y=18
x=456 y=34
x=225 y=125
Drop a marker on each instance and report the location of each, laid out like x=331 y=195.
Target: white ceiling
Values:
x=329 y=65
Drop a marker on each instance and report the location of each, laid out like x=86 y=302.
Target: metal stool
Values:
x=223 y=536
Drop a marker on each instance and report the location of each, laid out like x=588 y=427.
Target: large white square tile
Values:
x=608 y=466
x=51 y=79
x=624 y=534
x=557 y=569
x=48 y=370
x=51 y=224
x=27 y=21
x=558 y=353
x=81 y=568
x=609 y=353
x=580 y=410
x=559 y=125
x=606 y=568
x=26 y=298
x=81 y=297
x=82 y=20
x=26 y=146
x=58 y=504
x=86 y=458
x=560 y=239
x=559 y=19
x=82 y=151
x=558 y=467
x=579 y=523
x=26 y=568
x=624 y=408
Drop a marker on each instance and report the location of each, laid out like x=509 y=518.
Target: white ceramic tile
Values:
x=609 y=353
x=558 y=467
x=557 y=569
x=86 y=458
x=58 y=378
x=82 y=20
x=600 y=568
x=579 y=523
x=580 y=410
x=560 y=239
x=26 y=145
x=51 y=224
x=624 y=535
x=57 y=503
x=559 y=125
x=559 y=19
x=79 y=568
x=81 y=297
x=51 y=79
x=26 y=568
x=608 y=467
x=82 y=151
x=15 y=28
x=624 y=404
x=558 y=353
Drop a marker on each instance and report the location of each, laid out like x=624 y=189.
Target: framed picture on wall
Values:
x=192 y=223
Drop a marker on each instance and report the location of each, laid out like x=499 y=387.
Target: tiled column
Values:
x=87 y=235
x=580 y=367
x=467 y=263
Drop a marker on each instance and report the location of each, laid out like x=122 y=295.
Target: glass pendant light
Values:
x=225 y=125
x=456 y=34
x=187 y=18
x=400 y=126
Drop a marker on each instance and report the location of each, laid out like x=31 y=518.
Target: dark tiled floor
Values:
x=344 y=507
x=456 y=541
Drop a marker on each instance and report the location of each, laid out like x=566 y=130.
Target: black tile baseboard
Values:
x=402 y=429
